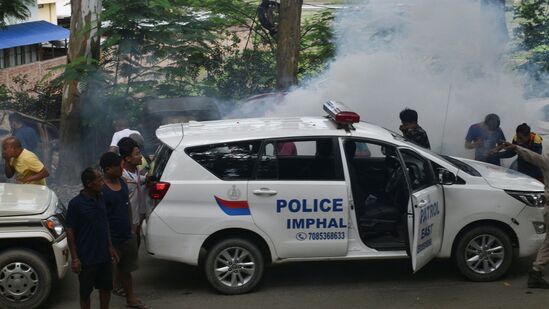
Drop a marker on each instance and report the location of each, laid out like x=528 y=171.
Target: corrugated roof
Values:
x=31 y=33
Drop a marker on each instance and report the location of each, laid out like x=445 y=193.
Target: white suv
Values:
x=33 y=246
x=236 y=195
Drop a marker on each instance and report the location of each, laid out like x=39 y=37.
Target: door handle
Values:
x=265 y=192
x=422 y=203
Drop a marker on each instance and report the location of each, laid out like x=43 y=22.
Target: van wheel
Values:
x=234 y=266
x=25 y=279
x=484 y=253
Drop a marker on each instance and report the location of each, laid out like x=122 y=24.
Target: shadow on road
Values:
x=158 y=280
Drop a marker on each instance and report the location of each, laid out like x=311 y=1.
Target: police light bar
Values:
x=340 y=113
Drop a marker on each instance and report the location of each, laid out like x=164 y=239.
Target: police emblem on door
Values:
x=233 y=193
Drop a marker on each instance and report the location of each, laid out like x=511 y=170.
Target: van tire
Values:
x=242 y=255
x=32 y=266
x=497 y=261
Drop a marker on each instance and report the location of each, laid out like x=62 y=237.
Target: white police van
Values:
x=236 y=195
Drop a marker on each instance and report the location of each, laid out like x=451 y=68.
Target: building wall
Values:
x=10 y=57
x=35 y=72
x=47 y=12
x=41 y=10
x=63 y=8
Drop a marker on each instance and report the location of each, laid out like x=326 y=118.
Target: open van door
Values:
x=425 y=211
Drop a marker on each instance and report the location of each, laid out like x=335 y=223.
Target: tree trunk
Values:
x=289 y=38
x=84 y=43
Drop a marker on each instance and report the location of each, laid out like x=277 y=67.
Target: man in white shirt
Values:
x=131 y=156
x=122 y=130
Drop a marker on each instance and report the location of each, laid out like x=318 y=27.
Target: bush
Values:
x=43 y=100
x=532 y=17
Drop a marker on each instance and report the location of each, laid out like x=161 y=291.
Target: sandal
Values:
x=138 y=305
x=119 y=292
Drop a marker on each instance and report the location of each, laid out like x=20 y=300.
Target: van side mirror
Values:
x=445 y=177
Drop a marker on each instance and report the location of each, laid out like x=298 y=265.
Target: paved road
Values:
x=352 y=284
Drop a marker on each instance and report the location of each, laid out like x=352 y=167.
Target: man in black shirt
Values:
x=411 y=130
x=116 y=194
x=89 y=240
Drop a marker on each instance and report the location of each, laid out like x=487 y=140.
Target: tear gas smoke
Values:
x=443 y=58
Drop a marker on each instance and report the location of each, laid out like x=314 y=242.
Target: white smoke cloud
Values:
x=443 y=58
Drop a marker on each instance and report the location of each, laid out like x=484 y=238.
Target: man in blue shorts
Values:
x=89 y=240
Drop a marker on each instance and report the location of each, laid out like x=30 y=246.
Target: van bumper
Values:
x=183 y=248
x=164 y=243
x=529 y=240
x=61 y=253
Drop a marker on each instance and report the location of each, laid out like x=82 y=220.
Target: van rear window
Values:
x=161 y=158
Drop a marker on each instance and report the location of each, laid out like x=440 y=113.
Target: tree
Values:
x=317 y=44
x=288 y=43
x=158 y=47
x=82 y=58
x=174 y=48
x=532 y=32
x=16 y=9
x=42 y=100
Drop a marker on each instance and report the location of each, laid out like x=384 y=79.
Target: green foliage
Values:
x=158 y=40
x=174 y=48
x=317 y=44
x=43 y=100
x=4 y=94
x=532 y=17
x=242 y=74
x=16 y=9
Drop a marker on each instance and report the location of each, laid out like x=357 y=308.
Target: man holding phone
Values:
x=484 y=137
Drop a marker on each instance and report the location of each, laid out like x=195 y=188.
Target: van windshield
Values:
x=452 y=161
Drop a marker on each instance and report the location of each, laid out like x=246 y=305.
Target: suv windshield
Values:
x=452 y=161
x=461 y=165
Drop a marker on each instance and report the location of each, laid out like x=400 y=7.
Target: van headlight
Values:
x=54 y=225
x=534 y=199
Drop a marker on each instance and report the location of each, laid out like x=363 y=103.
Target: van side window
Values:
x=312 y=159
x=227 y=161
x=419 y=170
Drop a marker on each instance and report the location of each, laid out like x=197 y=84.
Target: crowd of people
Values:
x=486 y=138
x=104 y=220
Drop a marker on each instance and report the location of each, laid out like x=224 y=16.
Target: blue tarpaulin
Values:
x=31 y=33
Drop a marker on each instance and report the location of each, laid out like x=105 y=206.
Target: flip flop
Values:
x=119 y=292
x=139 y=305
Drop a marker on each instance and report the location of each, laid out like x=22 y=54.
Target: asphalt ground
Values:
x=347 y=284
